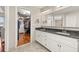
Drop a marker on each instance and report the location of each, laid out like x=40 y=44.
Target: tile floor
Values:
x=31 y=47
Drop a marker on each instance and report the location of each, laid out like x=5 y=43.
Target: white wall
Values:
x=2 y=14
x=10 y=28
x=6 y=28
x=35 y=12
x=35 y=15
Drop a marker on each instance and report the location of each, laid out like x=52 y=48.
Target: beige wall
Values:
x=1 y=14
x=10 y=28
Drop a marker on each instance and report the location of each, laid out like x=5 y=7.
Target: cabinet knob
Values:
x=60 y=46
x=46 y=44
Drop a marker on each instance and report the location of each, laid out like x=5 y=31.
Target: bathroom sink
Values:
x=62 y=33
x=43 y=29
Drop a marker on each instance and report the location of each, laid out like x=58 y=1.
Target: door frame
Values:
x=16 y=34
x=6 y=28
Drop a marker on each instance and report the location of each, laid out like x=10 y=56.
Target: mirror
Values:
x=24 y=18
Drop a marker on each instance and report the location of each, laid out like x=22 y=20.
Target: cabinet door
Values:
x=38 y=36
x=65 y=48
x=41 y=37
x=53 y=45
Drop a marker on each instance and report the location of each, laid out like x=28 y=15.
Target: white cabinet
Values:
x=46 y=41
x=57 y=43
x=65 y=48
x=52 y=45
x=41 y=37
x=38 y=36
x=60 y=43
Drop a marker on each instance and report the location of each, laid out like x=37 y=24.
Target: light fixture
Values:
x=24 y=12
x=58 y=6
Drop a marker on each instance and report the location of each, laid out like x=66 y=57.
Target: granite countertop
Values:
x=54 y=31
x=62 y=28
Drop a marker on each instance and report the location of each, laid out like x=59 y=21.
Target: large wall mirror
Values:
x=24 y=17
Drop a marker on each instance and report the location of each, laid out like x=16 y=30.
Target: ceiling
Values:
x=24 y=13
x=23 y=9
x=39 y=7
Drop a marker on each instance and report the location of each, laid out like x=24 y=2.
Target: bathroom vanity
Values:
x=57 y=40
x=59 y=30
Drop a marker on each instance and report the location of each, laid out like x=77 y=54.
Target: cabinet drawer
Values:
x=65 y=48
x=70 y=42
x=52 y=45
x=66 y=40
x=53 y=41
x=41 y=37
x=37 y=33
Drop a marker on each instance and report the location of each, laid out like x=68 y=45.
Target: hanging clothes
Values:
x=21 y=29
x=0 y=46
x=27 y=25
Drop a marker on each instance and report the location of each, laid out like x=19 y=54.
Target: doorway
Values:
x=23 y=23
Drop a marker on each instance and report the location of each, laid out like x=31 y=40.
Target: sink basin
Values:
x=43 y=29
x=62 y=33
